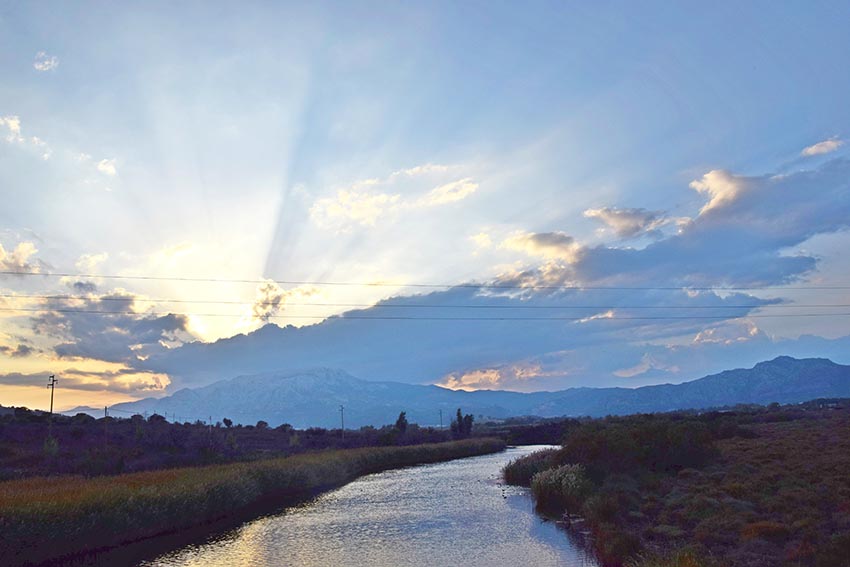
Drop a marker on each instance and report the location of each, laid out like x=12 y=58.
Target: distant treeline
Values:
x=33 y=443
x=757 y=486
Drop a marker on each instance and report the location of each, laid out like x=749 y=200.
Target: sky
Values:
x=204 y=169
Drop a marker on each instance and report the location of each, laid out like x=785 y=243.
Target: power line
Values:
x=415 y=305
x=428 y=318
x=418 y=285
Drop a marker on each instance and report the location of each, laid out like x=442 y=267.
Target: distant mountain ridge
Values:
x=313 y=397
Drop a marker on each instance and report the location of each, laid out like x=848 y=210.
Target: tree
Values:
x=401 y=422
x=462 y=425
x=262 y=424
x=228 y=423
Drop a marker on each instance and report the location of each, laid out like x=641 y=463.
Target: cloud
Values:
x=448 y=193
x=738 y=331
x=482 y=240
x=18 y=260
x=20 y=351
x=88 y=263
x=12 y=125
x=44 y=62
x=721 y=187
x=549 y=245
x=425 y=169
x=824 y=147
x=82 y=287
x=271 y=299
x=107 y=167
x=627 y=223
x=507 y=377
x=366 y=201
x=647 y=363
x=125 y=381
x=352 y=205
x=108 y=328
x=742 y=236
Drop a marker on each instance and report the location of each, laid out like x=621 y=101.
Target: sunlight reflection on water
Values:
x=448 y=513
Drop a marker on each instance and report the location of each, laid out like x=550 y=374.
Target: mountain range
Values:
x=313 y=397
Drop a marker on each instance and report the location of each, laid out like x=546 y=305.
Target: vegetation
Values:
x=461 y=426
x=748 y=487
x=87 y=446
x=47 y=518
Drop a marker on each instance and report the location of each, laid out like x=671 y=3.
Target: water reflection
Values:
x=448 y=513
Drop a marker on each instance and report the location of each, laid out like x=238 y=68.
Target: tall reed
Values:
x=45 y=518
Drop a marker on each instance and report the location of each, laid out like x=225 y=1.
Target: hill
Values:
x=312 y=397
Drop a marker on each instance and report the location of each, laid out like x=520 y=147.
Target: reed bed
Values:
x=47 y=518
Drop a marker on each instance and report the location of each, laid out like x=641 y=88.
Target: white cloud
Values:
x=107 y=167
x=609 y=314
x=365 y=201
x=351 y=205
x=647 y=363
x=44 y=62
x=549 y=245
x=824 y=147
x=18 y=259
x=13 y=128
x=88 y=263
x=449 y=193
x=721 y=187
x=482 y=240
x=12 y=125
x=503 y=377
x=728 y=333
x=425 y=169
x=629 y=222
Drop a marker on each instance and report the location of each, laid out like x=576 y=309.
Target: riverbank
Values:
x=757 y=487
x=44 y=519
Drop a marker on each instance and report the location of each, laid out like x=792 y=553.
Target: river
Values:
x=452 y=513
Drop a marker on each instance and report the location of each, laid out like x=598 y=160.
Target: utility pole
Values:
x=342 y=419
x=105 y=432
x=441 y=419
x=51 y=383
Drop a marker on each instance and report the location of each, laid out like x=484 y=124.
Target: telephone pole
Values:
x=342 y=419
x=441 y=419
x=51 y=383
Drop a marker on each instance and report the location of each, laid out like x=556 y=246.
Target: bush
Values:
x=562 y=488
x=520 y=471
x=771 y=531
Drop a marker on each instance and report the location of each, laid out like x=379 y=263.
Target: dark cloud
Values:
x=84 y=331
x=271 y=299
x=19 y=351
x=424 y=345
x=82 y=287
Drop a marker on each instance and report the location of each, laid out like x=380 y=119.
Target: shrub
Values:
x=565 y=488
x=771 y=531
x=679 y=558
x=520 y=471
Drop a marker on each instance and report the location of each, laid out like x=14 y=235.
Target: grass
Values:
x=48 y=518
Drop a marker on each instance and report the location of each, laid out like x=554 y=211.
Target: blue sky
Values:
x=401 y=143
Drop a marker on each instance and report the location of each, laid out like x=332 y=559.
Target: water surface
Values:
x=453 y=513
